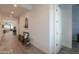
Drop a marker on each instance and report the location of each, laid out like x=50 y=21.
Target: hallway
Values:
x=44 y=31
x=10 y=44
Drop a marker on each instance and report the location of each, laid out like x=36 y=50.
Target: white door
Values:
x=58 y=30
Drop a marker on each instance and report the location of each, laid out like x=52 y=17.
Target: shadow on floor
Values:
x=74 y=50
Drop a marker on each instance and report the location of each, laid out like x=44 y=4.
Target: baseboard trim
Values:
x=38 y=48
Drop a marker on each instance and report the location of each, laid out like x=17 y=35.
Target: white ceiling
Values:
x=5 y=9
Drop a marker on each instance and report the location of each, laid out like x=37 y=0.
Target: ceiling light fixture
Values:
x=15 y=5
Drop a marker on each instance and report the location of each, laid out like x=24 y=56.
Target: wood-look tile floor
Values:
x=74 y=50
x=9 y=44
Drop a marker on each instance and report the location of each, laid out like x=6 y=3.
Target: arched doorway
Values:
x=8 y=26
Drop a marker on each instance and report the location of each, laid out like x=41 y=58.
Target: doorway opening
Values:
x=75 y=26
x=8 y=26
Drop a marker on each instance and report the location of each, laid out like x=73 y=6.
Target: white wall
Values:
x=40 y=27
x=22 y=23
x=67 y=25
x=41 y=23
x=55 y=28
x=52 y=28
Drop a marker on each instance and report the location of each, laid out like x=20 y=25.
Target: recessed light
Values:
x=12 y=12
x=15 y=5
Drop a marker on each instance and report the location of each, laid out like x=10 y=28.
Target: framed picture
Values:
x=26 y=23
